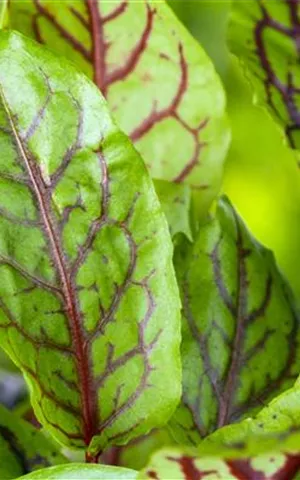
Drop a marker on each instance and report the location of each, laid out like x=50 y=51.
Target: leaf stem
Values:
x=89 y=458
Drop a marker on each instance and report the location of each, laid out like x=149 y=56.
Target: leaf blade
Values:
x=66 y=177
x=263 y=37
x=133 y=65
x=238 y=314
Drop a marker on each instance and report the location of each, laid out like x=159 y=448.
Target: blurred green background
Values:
x=261 y=174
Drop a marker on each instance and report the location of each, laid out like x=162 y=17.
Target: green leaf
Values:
x=160 y=84
x=23 y=448
x=264 y=36
x=176 y=203
x=240 y=327
x=81 y=471
x=88 y=296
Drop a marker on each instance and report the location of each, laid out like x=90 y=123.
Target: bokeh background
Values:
x=261 y=174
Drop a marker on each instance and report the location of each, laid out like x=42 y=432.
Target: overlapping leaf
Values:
x=22 y=448
x=82 y=472
x=265 y=37
x=240 y=327
x=89 y=308
x=160 y=84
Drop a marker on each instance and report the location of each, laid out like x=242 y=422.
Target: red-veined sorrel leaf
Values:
x=265 y=37
x=88 y=300
x=160 y=84
x=23 y=448
x=240 y=328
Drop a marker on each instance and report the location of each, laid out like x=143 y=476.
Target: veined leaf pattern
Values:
x=265 y=37
x=183 y=464
x=240 y=327
x=158 y=81
x=23 y=448
x=176 y=202
x=277 y=424
x=89 y=308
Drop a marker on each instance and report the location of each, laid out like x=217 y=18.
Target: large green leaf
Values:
x=88 y=297
x=265 y=37
x=23 y=448
x=240 y=327
x=160 y=84
x=81 y=471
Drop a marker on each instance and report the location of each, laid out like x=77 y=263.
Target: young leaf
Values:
x=89 y=307
x=160 y=84
x=264 y=36
x=240 y=328
x=23 y=448
x=82 y=472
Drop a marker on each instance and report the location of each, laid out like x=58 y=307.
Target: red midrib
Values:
x=98 y=45
x=81 y=354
